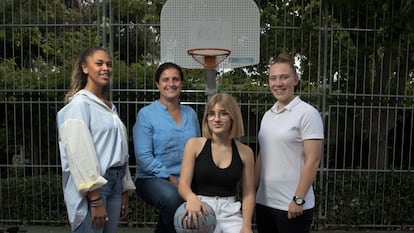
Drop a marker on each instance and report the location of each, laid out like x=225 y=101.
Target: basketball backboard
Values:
x=225 y=24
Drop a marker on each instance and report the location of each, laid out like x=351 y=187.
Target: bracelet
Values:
x=97 y=199
x=96 y=203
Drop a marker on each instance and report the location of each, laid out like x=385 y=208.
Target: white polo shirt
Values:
x=281 y=137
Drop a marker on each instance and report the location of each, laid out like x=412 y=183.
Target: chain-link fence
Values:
x=356 y=68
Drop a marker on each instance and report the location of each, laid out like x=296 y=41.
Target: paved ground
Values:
x=65 y=229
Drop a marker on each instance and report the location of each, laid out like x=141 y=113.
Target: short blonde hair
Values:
x=232 y=107
x=285 y=58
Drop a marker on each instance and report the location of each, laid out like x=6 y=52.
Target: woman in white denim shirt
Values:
x=93 y=146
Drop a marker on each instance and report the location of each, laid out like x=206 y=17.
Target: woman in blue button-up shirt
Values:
x=160 y=133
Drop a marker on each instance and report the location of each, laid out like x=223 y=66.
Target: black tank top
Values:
x=210 y=180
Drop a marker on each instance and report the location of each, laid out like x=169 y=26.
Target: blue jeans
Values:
x=163 y=195
x=111 y=194
x=269 y=220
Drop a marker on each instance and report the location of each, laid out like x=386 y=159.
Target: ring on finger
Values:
x=199 y=213
x=189 y=215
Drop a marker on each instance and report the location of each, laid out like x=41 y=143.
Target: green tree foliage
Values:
x=27 y=41
x=388 y=82
x=139 y=28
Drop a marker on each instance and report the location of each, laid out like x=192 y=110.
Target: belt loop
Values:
x=217 y=200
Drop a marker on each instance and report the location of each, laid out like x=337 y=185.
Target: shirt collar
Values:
x=93 y=97
x=163 y=107
x=288 y=107
x=160 y=105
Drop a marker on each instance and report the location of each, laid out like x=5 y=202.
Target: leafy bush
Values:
x=39 y=199
x=367 y=198
x=351 y=199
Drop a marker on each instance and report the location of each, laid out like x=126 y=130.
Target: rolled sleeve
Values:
x=81 y=155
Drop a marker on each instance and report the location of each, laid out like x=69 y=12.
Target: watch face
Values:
x=298 y=200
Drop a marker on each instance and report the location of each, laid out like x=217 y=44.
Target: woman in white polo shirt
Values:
x=291 y=142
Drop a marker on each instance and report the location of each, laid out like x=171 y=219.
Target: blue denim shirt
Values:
x=92 y=138
x=159 y=142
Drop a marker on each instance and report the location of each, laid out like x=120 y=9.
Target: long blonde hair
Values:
x=79 y=78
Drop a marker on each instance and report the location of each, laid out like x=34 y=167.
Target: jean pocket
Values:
x=230 y=209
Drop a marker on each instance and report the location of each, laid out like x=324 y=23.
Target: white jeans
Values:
x=228 y=213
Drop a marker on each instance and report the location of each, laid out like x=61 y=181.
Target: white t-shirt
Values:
x=281 y=137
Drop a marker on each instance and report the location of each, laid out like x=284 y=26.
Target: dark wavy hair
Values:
x=165 y=66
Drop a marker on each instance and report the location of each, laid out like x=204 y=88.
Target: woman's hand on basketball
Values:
x=195 y=220
x=195 y=209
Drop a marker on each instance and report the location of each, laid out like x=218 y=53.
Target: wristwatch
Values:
x=298 y=200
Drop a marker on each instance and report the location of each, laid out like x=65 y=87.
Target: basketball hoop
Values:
x=209 y=57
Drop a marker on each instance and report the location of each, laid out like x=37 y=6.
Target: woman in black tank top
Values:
x=214 y=164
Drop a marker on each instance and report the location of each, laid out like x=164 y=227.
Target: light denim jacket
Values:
x=92 y=138
x=159 y=142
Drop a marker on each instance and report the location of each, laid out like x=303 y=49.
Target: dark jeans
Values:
x=163 y=195
x=271 y=220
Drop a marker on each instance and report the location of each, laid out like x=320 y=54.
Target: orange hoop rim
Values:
x=210 y=56
x=199 y=52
